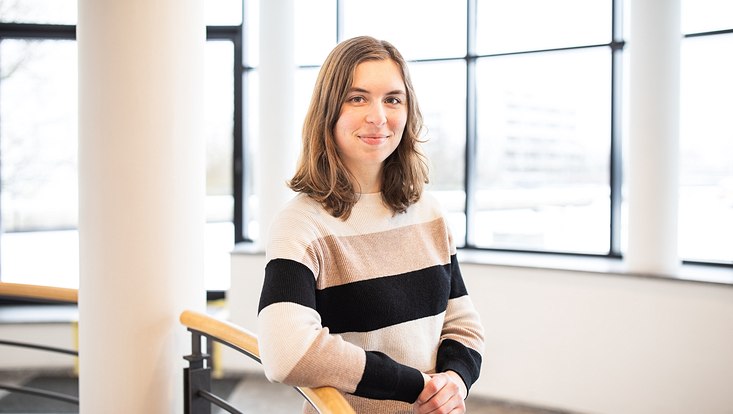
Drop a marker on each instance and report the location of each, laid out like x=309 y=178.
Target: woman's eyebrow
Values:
x=362 y=90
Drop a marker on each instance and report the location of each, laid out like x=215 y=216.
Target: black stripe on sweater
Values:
x=454 y=356
x=457 y=287
x=385 y=301
x=385 y=379
x=366 y=305
x=287 y=281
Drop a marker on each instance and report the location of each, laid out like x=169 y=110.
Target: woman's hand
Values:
x=443 y=393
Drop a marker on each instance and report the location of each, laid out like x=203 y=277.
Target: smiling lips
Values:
x=373 y=139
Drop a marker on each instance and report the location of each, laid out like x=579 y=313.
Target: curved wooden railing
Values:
x=326 y=400
x=45 y=294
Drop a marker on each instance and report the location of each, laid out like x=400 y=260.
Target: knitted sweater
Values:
x=366 y=304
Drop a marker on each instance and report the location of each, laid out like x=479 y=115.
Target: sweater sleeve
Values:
x=462 y=338
x=296 y=350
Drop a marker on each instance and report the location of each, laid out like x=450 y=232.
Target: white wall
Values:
x=592 y=343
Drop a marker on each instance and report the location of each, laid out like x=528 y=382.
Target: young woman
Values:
x=362 y=288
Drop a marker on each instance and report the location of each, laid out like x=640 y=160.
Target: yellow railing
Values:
x=326 y=400
x=49 y=293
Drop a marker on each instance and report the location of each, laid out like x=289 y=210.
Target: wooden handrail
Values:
x=327 y=400
x=50 y=293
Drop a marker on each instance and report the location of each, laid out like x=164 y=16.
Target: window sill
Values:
x=695 y=273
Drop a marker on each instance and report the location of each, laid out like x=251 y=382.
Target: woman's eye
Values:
x=393 y=101
x=357 y=99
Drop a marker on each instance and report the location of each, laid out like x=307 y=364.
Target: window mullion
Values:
x=470 y=151
x=615 y=165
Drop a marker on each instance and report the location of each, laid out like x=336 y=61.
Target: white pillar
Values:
x=654 y=46
x=141 y=199
x=278 y=141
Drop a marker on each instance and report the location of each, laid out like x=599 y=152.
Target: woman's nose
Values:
x=376 y=114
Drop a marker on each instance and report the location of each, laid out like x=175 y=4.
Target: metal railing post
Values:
x=196 y=378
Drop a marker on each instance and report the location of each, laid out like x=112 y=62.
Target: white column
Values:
x=654 y=47
x=141 y=199
x=279 y=141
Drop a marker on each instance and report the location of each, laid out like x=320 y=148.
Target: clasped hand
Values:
x=443 y=393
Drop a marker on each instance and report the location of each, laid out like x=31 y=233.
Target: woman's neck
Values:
x=368 y=180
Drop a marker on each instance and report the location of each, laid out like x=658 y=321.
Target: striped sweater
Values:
x=366 y=304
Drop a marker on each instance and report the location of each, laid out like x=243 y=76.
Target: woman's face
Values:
x=373 y=117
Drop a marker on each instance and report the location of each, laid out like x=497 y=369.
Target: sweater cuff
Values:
x=454 y=356
x=385 y=379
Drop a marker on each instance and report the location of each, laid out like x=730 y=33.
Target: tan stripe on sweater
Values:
x=295 y=350
x=329 y=361
x=463 y=323
x=354 y=258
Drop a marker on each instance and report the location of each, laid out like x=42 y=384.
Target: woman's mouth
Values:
x=373 y=139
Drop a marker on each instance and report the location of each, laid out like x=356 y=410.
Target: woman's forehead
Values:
x=378 y=74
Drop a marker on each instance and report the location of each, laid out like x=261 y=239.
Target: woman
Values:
x=362 y=288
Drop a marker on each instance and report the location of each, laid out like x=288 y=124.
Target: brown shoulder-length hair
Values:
x=321 y=173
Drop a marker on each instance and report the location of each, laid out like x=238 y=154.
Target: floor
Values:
x=254 y=395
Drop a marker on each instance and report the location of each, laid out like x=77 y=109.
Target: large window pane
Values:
x=223 y=12
x=706 y=15
x=511 y=26
x=420 y=29
x=305 y=79
x=38 y=135
x=443 y=105
x=543 y=152
x=219 y=118
x=706 y=150
x=38 y=139
x=251 y=153
x=315 y=31
x=38 y=11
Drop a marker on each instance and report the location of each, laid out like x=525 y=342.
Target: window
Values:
x=543 y=151
x=706 y=134
x=527 y=25
x=38 y=140
x=38 y=137
x=57 y=12
x=427 y=29
x=521 y=129
x=443 y=105
x=526 y=164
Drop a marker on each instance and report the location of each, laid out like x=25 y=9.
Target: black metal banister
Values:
x=197 y=376
x=41 y=393
x=26 y=292
x=219 y=402
x=39 y=347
